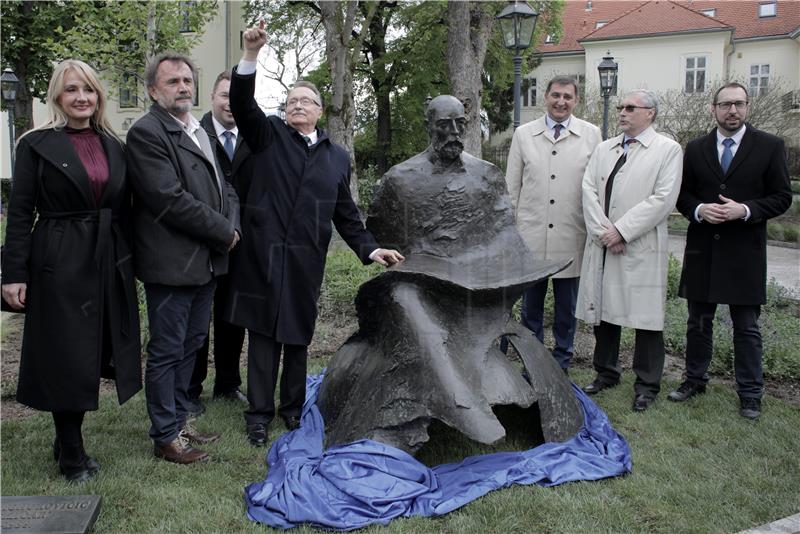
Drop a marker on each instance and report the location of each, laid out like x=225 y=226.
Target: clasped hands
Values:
x=729 y=210
x=613 y=240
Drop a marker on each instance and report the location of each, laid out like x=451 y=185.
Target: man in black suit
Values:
x=302 y=187
x=233 y=156
x=734 y=179
x=186 y=219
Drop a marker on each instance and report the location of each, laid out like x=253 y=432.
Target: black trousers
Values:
x=228 y=342
x=648 y=357
x=263 y=358
x=747 y=349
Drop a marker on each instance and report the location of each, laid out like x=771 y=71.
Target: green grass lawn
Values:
x=698 y=467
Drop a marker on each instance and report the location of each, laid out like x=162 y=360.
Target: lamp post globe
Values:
x=8 y=87
x=517 y=23
x=607 y=69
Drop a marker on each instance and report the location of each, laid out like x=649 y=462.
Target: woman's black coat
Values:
x=82 y=317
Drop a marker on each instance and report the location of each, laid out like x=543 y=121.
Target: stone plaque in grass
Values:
x=63 y=515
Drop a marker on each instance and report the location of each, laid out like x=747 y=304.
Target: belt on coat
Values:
x=104 y=218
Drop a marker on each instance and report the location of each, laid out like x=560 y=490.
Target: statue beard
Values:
x=449 y=150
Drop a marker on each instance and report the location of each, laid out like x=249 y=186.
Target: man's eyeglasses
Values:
x=725 y=106
x=631 y=108
x=305 y=102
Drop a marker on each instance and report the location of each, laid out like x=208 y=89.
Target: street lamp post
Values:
x=517 y=22
x=608 y=79
x=8 y=86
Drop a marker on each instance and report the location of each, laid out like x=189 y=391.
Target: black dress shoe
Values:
x=597 y=386
x=257 y=434
x=686 y=391
x=233 y=395
x=750 y=407
x=90 y=463
x=292 y=422
x=642 y=403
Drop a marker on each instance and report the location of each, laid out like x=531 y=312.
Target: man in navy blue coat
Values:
x=734 y=179
x=300 y=185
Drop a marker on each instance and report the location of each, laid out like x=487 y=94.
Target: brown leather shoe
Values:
x=179 y=452
x=196 y=437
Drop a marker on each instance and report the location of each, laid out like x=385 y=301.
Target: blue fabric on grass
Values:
x=366 y=482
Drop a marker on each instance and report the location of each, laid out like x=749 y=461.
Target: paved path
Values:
x=787 y=525
x=783 y=264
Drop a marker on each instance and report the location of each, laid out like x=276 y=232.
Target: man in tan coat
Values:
x=629 y=189
x=545 y=167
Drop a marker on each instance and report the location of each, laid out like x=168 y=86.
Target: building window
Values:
x=600 y=24
x=550 y=39
x=759 y=79
x=186 y=9
x=767 y=10
x=695 y=75
x=129 y=92
x=528 y=91
x=709 y=12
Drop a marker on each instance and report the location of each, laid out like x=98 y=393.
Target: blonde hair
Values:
x=57 y=118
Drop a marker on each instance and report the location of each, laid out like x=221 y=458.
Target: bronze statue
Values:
x=425 y=348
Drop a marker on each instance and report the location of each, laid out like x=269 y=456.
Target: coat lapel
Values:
x=743 y=151
x=710 y=154
x=60 y=153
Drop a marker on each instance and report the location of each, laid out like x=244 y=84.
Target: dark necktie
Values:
x=228 y=144
x=610 y=183
x=727 y=154
x=557 y=132
x=307 y=139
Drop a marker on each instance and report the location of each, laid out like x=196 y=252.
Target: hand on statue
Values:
x=254 y=39
x=387 y=257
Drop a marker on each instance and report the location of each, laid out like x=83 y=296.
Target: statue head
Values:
x=446 y=122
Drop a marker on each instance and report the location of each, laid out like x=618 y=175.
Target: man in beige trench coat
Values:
x=545 y=167
x=629 y=189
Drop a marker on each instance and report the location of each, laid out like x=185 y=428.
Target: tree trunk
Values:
x=469 y=28
x=23 y=105
x=337 y=19
x=382 y=85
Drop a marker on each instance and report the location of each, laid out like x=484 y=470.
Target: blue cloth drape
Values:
x=366 y=482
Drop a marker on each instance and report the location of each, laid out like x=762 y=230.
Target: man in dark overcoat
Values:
x=734 y=180
x=233 y=156
x=186 y=219
x=302 y=185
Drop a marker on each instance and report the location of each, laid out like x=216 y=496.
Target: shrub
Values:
x=791 y=233
x=775 y=231
x=795 y=185
x=780 y=333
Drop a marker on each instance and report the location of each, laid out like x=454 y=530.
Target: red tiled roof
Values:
x=653 y=18
x=633 y=18
x=743 y=15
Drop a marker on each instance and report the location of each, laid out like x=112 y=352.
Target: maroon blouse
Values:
x=90 y=150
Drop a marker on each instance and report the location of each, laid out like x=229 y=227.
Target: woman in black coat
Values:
x=73 y=274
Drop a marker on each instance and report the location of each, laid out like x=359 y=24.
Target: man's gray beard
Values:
x=176 y=108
